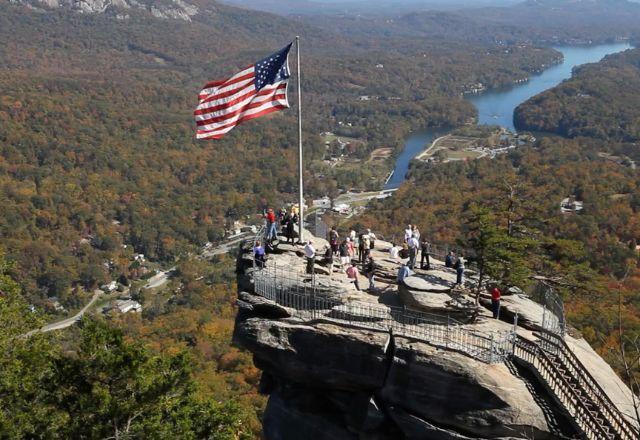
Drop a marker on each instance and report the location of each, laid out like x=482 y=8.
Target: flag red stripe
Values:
x=207 y=110
x=217 y=85
x=231 y=124
x=256 y=95
x=203 y=134
x=234 y=113
x=226 y=93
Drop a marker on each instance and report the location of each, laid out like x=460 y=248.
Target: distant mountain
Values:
x=360 y=7
x=178 y=9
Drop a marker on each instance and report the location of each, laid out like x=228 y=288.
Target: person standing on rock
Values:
x=366 y=248
x=416 y=232
x=259 y=254
x=459 y=267
x=334 y=240
x=351 y=248
x=425 y=249
x=352 y=274
x=408 y=233
x=495 y=302
x=448 y=261
x=414 y=245
x=310 y=254
x=344 y=255
x=372 y=239
x=370 y=270
x=403 y=272
x=289 y=228
x=272 y=233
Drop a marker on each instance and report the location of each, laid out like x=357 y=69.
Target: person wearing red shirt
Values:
x=495 y=302
x=272 y=233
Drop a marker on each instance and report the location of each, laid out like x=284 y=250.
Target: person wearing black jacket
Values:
x=425 y=249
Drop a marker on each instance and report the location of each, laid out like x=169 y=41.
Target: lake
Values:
x=495 y=107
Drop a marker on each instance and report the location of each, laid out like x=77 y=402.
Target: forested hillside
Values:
x=590 y=257
x=601 y=100
x=96 y=139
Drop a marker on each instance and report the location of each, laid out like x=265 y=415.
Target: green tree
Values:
x=117 y=388
x=500 y=256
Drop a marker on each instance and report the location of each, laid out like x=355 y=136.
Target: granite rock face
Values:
x=332 y=379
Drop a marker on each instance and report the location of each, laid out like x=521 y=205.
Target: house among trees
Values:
x=571 y=205
x=128 y=305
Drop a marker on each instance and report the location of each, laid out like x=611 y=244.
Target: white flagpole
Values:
x=300 y=183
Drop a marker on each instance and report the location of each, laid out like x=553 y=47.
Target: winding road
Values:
x=69 y=321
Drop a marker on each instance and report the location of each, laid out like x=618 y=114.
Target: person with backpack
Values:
x=344 y=255
x=334 y=241
x=425 y=249
x=370 y=270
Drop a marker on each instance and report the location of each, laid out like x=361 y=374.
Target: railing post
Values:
x=493 y=347
x=514 y=335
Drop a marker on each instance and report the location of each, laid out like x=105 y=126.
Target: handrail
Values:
x=569 y=359
x=564 y=391
x=608 y=423
x=301 y=293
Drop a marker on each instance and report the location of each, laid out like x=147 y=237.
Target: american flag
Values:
x=256 y=91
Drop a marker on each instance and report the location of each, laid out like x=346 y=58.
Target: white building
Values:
x=113 y=285
x=128 y=305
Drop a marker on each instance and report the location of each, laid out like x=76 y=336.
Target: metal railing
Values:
x=310 y=300
x=576 y=390
x=553 y=316
x=551 y=358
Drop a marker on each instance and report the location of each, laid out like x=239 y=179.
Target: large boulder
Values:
x=324 y=354
x=460 y=394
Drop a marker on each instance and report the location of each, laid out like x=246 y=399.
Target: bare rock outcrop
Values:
x=331 y=375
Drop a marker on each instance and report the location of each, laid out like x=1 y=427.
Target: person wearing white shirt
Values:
x=408 y=233
x=310 y=253
x=394 y=252
x=413 y=244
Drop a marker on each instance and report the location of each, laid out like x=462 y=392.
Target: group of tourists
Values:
x=351 y=247
x=285 y=219
x=356 y=248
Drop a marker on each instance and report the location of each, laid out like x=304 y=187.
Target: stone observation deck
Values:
x=417 y=361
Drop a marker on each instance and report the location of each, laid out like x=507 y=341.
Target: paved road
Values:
x=159 y=279
x=69 y=321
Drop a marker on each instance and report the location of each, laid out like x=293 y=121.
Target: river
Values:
x=495 y=107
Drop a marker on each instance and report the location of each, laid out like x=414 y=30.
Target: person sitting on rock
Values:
x=352 y=274
x=394 y=252
x=448 y=261
x=403 y=273
x=259 y=254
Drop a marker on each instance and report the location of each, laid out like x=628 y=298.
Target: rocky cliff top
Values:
x=334 y=370
x=169 y=9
